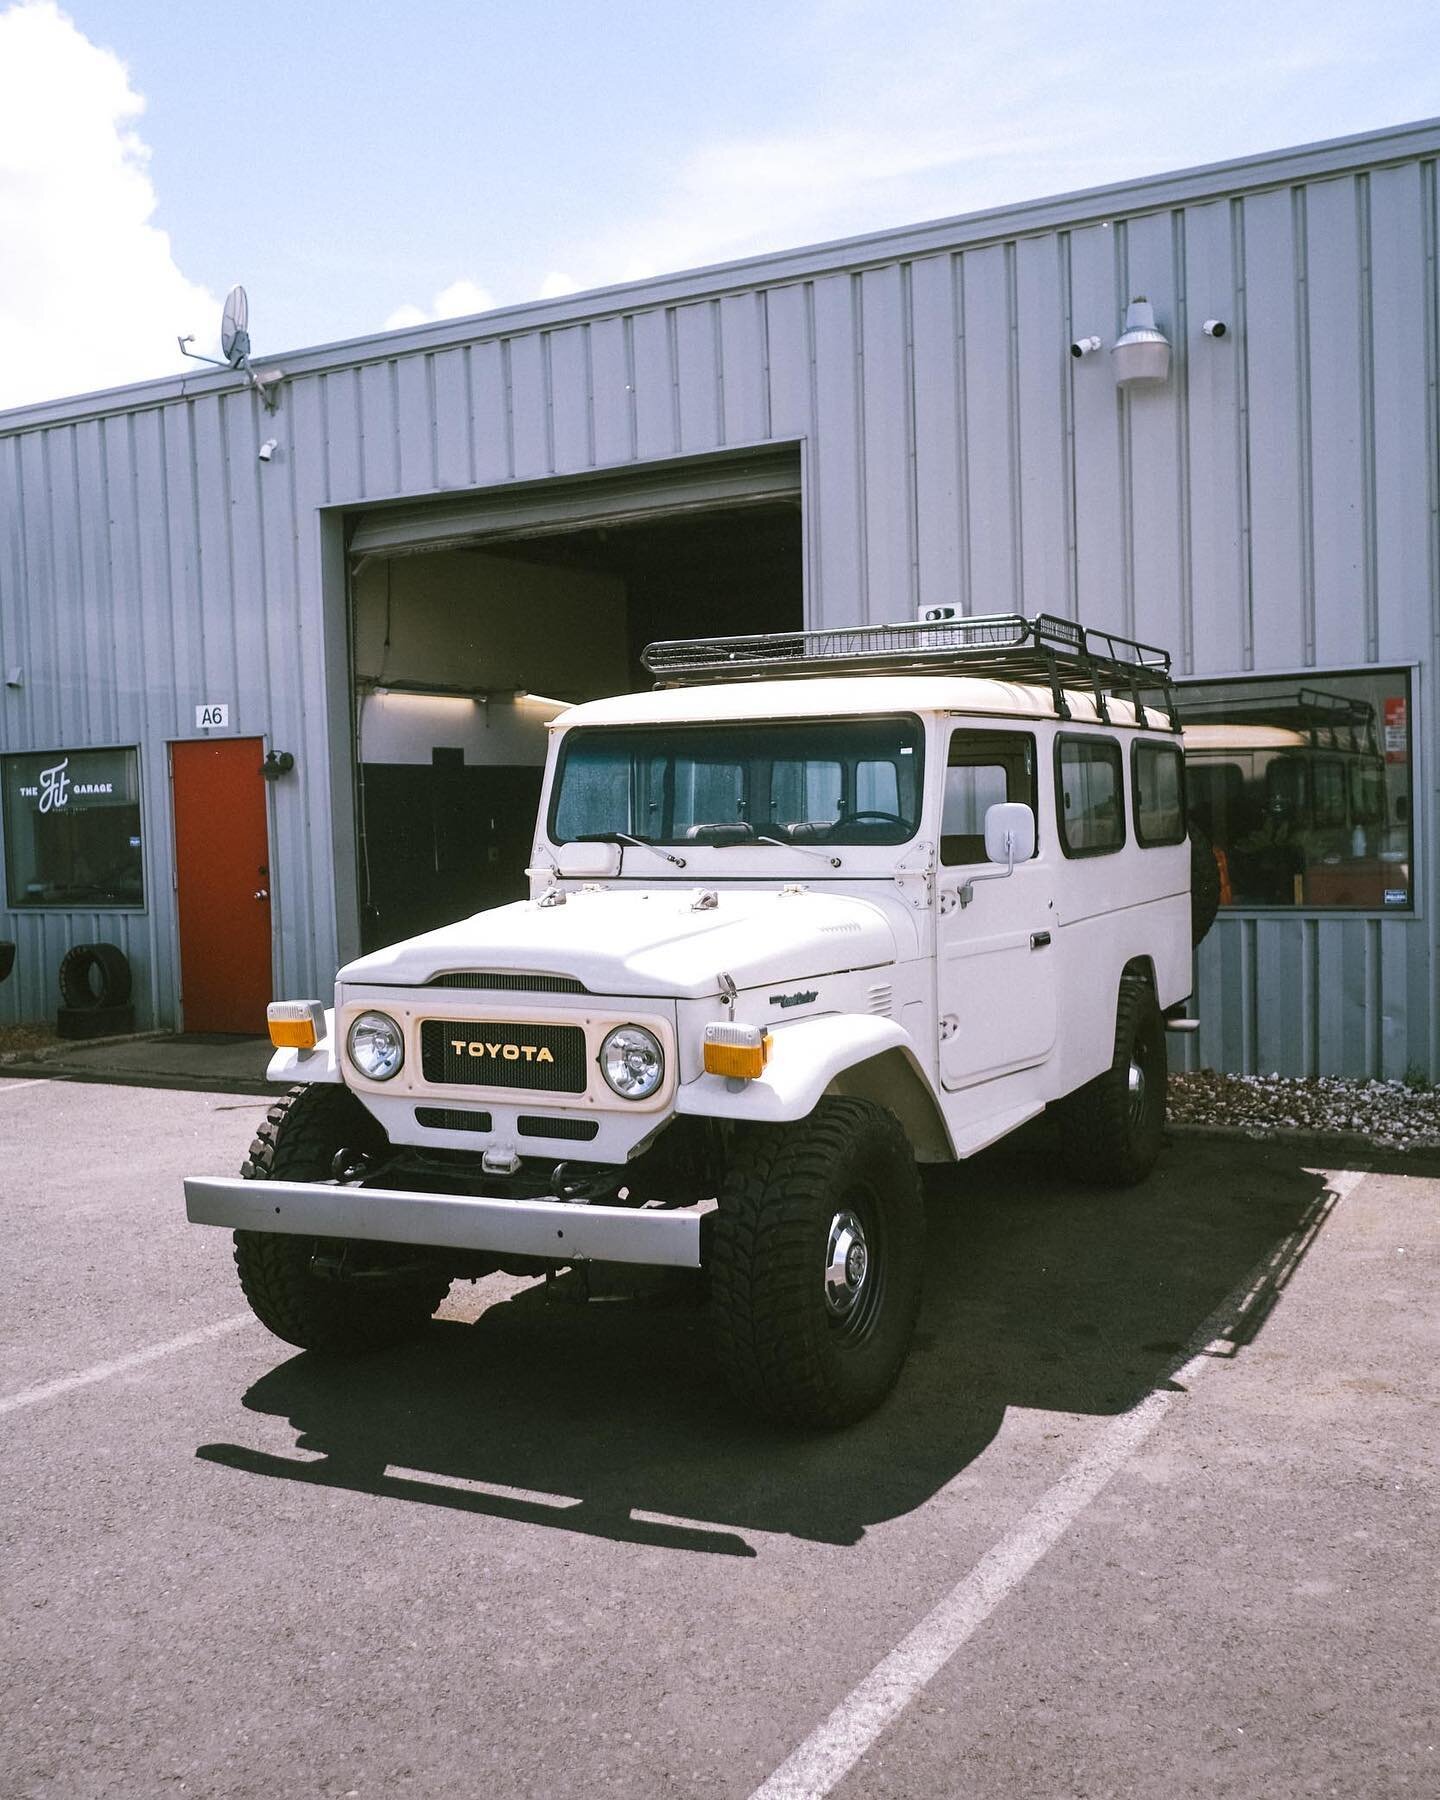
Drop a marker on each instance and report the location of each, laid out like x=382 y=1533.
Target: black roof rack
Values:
x=1061 y=654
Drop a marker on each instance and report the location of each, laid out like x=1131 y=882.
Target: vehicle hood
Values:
x=652 y=941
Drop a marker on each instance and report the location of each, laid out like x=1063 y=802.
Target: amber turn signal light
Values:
x=295 y=1024
x=739 y=1051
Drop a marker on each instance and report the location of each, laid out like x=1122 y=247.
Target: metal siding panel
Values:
x=246 y=680
x=614 y=397
x=1339 y=428
x=415 y=424
x=1152 y=425
x=1217 y=630
x=791 y=362
x=1344 y=993
x=991 y=498
x=743 y=370
x=126 y=604
x=839 y=589
x=216 y=602
x=490 y=414
x=1279 y=519
x=653 y=376
x=450 y=386
x=886 y=495
x=379 y=430
x=570 y=399
x=697 y=369
x=87 y=509
x=939 y=493
x=1094 y=412
x=1040 y=375
x=530 y=406
x=1280 y=1047
x=340 y=397
x=1405 y=450
x=305 y=831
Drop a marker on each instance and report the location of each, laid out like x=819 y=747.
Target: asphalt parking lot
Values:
x=1152 y=1512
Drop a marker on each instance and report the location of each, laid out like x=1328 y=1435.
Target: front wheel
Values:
x=322 y=1293
x=815 y=1263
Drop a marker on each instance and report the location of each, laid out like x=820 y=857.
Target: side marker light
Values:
x=739 y=1051
x=295 y=1024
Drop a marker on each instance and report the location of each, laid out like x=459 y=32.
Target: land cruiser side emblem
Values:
x=793 y=999
x=507 y=1052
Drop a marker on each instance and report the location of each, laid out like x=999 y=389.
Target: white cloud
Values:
x=90 y=295
x=557 y=284
x=457 y=301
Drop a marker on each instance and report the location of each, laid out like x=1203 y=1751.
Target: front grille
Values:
x=546 y=1058
x=449 y=1118
x=578 y=1130
x=503 y=981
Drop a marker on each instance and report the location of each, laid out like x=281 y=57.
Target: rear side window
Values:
x=1158 y=776
x=983 y=769
x=1089 y=795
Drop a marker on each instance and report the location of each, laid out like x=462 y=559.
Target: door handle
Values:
x=262 y=893
x=1039 y=939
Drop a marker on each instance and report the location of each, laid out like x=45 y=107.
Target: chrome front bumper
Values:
x=560 y=1230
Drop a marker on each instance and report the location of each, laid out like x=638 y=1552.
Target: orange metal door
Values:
x=222 y=861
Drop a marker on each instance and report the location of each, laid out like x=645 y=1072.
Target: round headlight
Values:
x=376 y=1046
x=632 y=1061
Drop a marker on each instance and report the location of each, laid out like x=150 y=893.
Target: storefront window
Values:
x=1304 y=785
x=72 y=828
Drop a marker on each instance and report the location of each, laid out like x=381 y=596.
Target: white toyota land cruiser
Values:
x=822 y=906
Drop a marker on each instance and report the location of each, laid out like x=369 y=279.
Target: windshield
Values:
x=811 y=781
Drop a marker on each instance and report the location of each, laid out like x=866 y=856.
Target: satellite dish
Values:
x=235 y=328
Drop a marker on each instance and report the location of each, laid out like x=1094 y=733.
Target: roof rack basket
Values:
x=1061 y=654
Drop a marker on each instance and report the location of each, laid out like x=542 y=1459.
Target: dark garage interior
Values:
x=462 y=654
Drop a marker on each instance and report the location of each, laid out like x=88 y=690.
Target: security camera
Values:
x=1084 y=346
x=1214 y=328
x=271 y=445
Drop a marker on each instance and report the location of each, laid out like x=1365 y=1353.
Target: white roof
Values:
x=827 y=696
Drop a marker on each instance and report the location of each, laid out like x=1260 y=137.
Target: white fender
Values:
x=308 y=1066
x=805 y=1059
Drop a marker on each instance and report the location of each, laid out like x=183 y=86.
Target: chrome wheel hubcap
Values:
x=847 y=1263
x=1135 y=1087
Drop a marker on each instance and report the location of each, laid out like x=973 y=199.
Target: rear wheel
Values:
x=815 y=1263
x=1112 y=1127
x=327 y=1293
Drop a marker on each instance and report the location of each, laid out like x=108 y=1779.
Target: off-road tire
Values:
x=94 y=975
x=299 y=1141
x=1110 y=1133
x=778 y=1338
x=1204 y=884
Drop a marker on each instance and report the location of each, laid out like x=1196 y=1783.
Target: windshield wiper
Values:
x=623 y=837
x=803 y=849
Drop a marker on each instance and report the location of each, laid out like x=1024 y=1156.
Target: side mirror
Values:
x=1009 y=839
x=1009 y=832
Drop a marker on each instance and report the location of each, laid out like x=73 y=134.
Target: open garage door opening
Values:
x=464 y=651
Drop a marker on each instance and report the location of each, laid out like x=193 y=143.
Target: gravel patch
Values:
x=23 y=1039
x=1391 y=1114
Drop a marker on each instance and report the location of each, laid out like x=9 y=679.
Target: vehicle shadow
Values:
x=608 y=1418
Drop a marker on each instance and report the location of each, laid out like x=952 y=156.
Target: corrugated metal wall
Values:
x=1272 y=508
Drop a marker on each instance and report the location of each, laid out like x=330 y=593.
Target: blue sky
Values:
x=357 y=167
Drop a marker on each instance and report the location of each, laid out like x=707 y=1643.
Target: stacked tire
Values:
x=94 y=992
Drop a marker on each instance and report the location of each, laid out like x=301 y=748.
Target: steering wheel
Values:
x=872 y=815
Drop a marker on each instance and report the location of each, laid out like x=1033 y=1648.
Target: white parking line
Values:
x=51 y=1390
x=834 y=1748
x=14 y=1087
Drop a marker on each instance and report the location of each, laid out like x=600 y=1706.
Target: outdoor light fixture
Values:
x=276 y=764
x=1142 y=351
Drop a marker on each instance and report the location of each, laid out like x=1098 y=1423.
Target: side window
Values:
x=1090 y=797
x=1158 y=777
x=982 y=769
